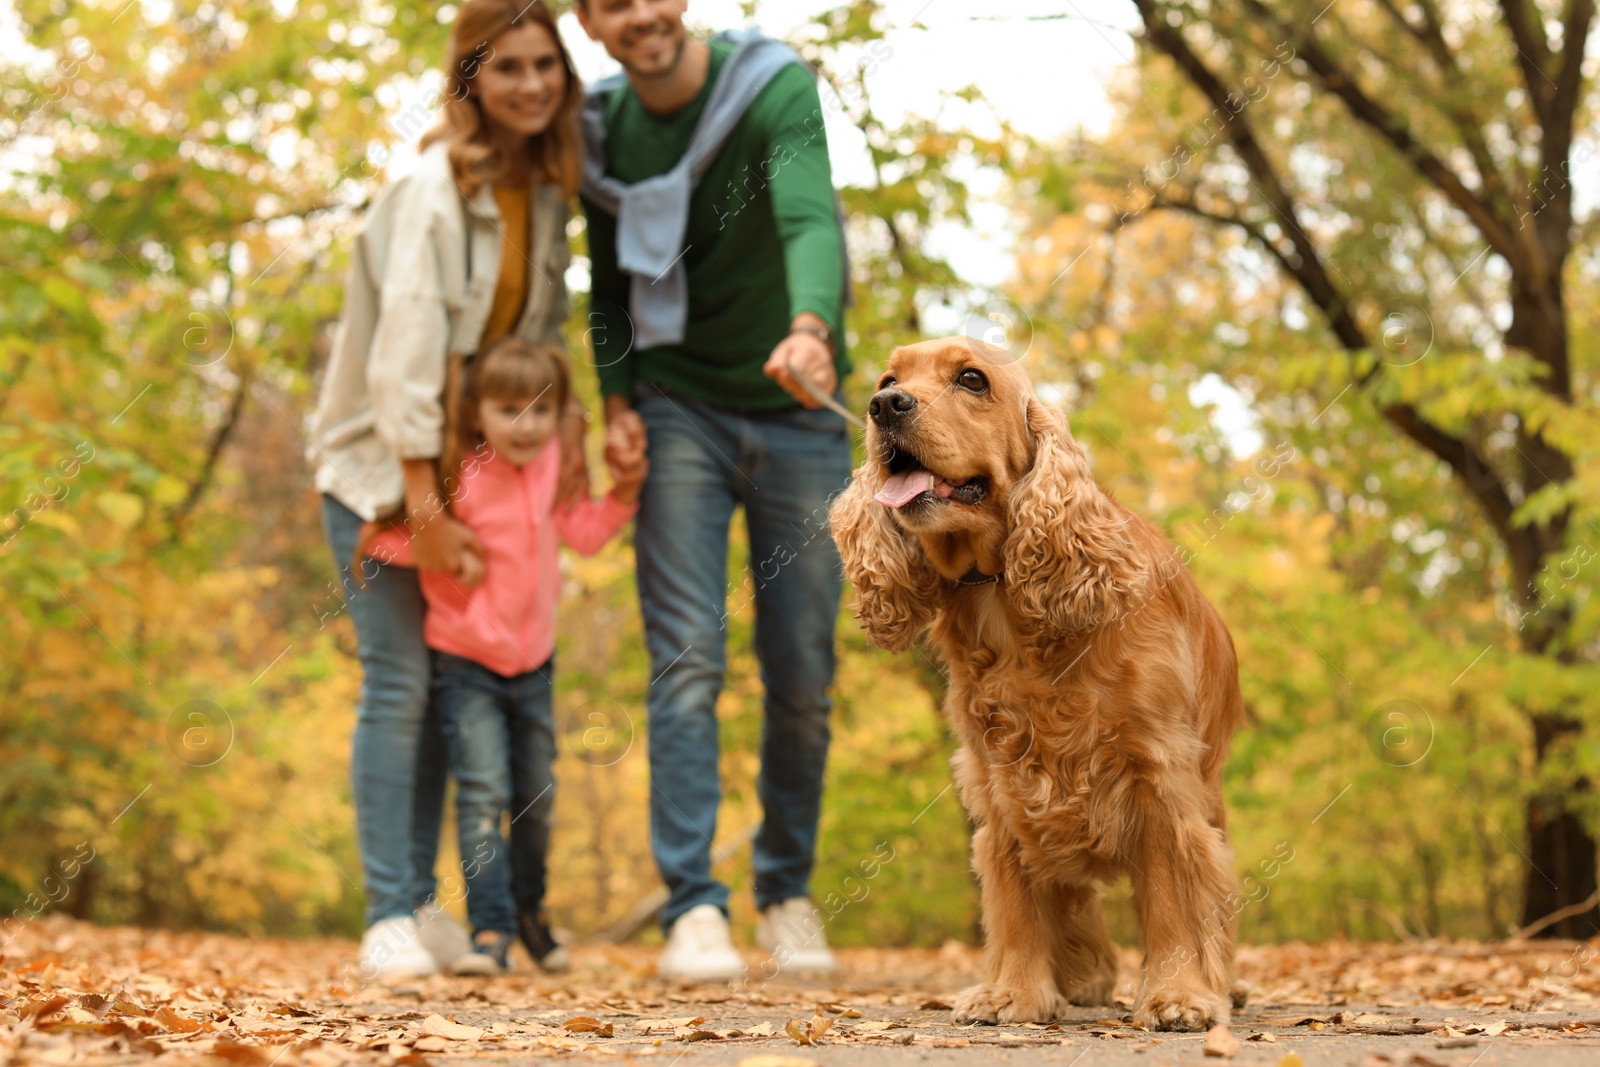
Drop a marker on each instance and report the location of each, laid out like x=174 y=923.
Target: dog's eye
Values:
x=972 y=380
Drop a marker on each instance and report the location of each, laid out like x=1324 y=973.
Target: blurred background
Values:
x=1318 y=289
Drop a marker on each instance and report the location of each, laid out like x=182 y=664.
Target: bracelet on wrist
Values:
x=821 y=333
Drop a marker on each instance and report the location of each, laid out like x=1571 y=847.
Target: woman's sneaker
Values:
x=699 y=948
x=550 y=955
x=791 y=932
x=392 y=948
x=490 y=955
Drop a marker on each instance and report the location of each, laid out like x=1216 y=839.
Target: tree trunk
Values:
x=1561 y=851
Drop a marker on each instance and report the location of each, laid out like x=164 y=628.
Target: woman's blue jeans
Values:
x=397 y=760
x=502 y=742
x=783 y=467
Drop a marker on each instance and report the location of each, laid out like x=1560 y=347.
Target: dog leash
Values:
x=815 y=393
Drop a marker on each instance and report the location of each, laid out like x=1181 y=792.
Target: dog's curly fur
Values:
x=1093 y=690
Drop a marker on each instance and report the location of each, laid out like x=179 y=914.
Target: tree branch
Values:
x=1290 y=264
x=1310 y=271
x=1430 y=34
x=219 y=440
x=1306 y=267
x=1466 y=463
x=1388 y=125
x=1533 y=53
x=1557 y=133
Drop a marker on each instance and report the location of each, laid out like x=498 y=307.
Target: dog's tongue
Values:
x=900 y=489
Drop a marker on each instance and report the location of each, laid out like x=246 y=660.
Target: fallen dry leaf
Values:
x=1221 y=1043
x=583 y=1024
x=43 y=1009
x=239 y=1055
x=438 y=1026
x=175 y=1022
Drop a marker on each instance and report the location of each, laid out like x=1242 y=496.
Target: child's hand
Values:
x=470 y=571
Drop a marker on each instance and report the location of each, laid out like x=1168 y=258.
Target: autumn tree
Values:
x=1410 y=167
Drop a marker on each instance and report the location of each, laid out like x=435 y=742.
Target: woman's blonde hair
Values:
x=556 y=155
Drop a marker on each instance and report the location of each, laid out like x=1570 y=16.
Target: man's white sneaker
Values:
x=445 y=939
x=699 y=948
x=791 y=932
x=392 y=948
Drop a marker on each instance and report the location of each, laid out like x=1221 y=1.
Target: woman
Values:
x=467 y=247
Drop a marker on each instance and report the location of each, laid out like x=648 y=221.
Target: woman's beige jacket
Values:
x=408 y=306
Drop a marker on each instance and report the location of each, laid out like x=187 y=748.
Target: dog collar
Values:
x=977 y=577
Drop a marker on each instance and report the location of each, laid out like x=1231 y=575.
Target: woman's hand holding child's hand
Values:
x=443 y=544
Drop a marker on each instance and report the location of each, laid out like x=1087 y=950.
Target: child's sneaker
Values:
x=490 y=954
x=551 y=956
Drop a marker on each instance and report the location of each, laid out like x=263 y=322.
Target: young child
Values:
x=492 y=630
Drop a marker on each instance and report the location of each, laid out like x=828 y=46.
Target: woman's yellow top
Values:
x=511 y=288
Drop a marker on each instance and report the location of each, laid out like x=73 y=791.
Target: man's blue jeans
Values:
x=783 y=467
x=502 y=742
x=397 y=760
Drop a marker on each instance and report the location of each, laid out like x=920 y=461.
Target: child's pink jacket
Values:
x=507 y=622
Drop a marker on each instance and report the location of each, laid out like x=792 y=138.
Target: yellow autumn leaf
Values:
x=57 y=520
x=123 y=509
x=168 y=490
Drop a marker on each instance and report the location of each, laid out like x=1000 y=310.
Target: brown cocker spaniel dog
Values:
x=1093 y=689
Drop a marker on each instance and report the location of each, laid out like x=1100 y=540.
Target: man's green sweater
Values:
x=762 y=243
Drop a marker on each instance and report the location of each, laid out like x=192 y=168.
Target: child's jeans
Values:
x=501 y=737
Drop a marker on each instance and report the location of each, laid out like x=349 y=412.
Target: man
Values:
x=718 y=284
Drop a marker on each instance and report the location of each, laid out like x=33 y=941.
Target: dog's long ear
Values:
x=1071 y=563
x=897 y=589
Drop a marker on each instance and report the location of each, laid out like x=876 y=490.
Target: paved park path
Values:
x=71 y=993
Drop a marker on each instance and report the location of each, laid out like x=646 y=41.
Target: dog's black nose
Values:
x=889 y=406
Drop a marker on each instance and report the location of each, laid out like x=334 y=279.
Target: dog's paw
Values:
x=1094 y=990
x=1175 y=1008
x=991 y=1004
x=1239 y=993
x=977 y=1004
